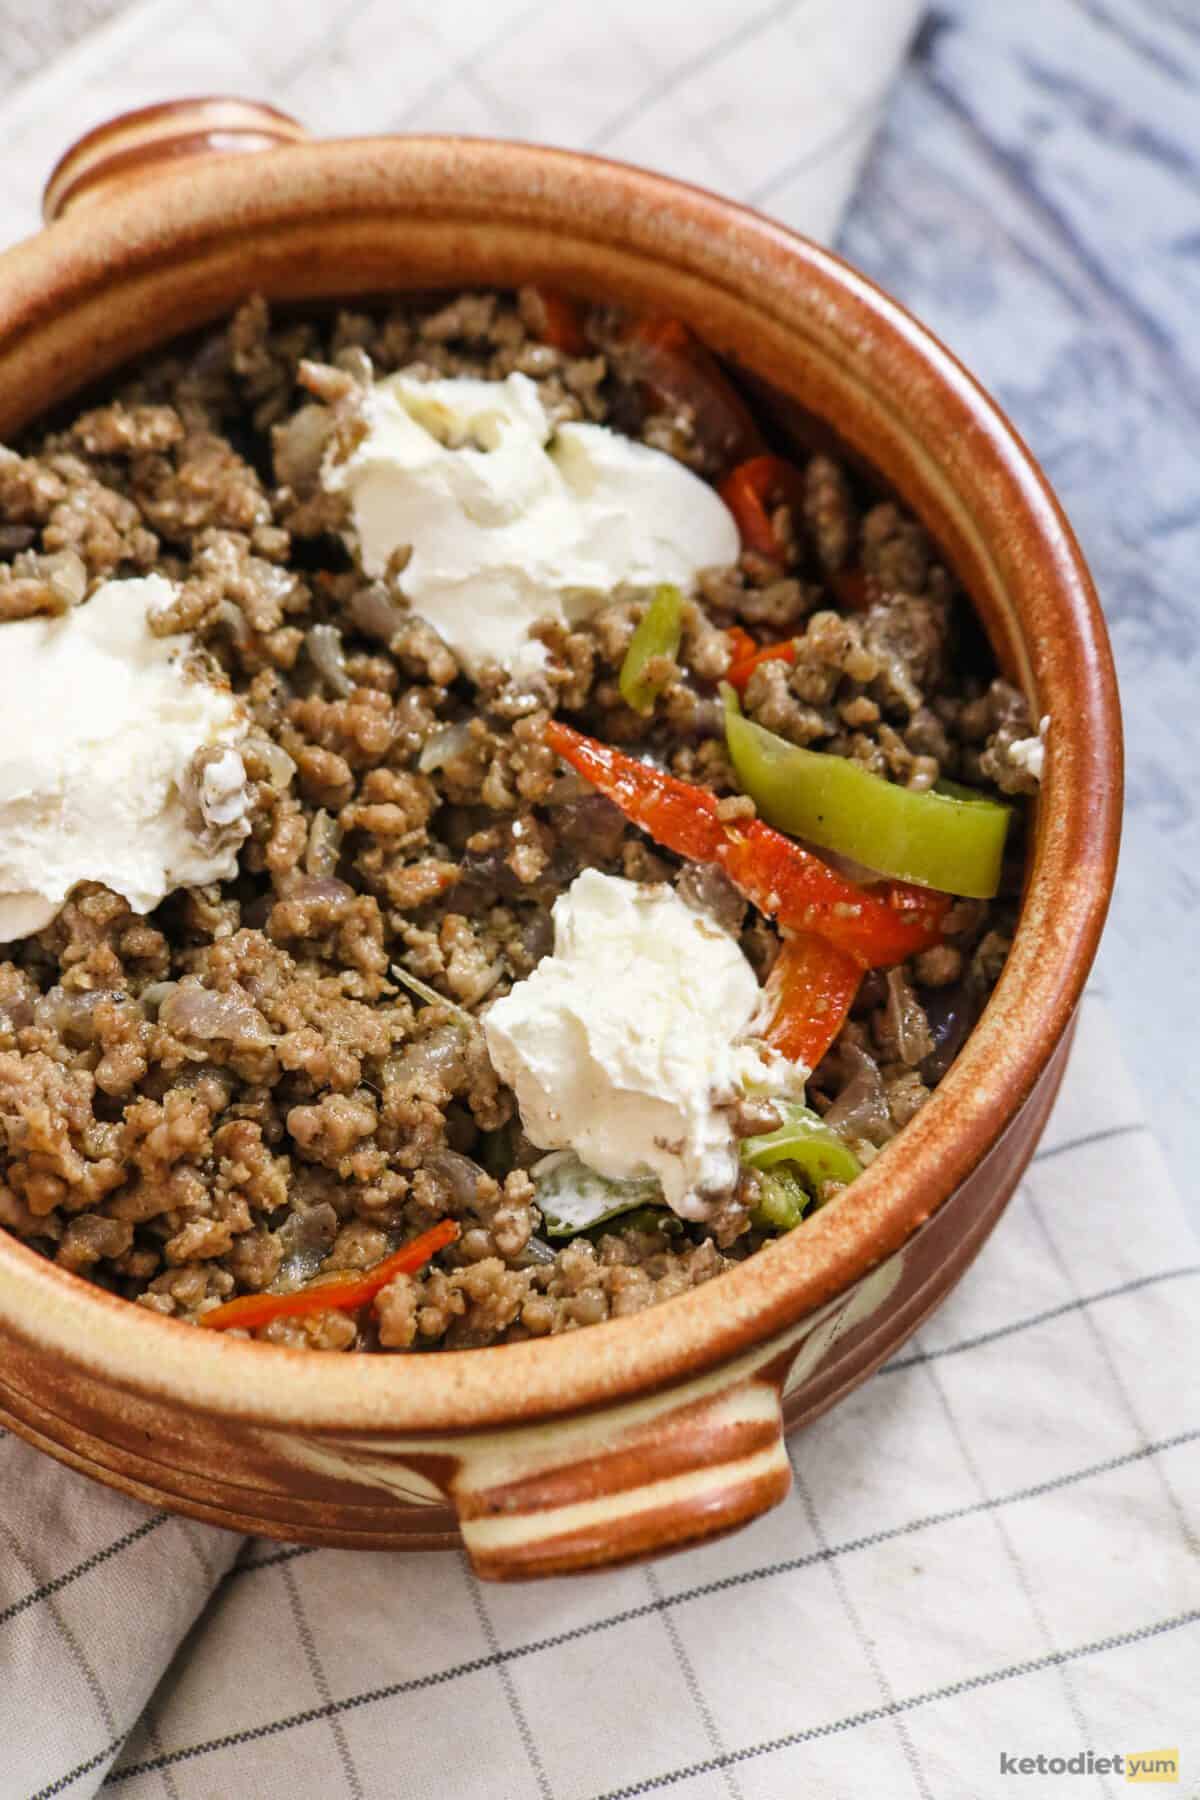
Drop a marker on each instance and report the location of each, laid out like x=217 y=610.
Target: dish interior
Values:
x=567 y=821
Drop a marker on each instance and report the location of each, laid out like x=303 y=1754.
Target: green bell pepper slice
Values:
x=659 y=633
x=948 y=837
x=793 y=1163
x=803 y=1142
x=782 y=1202
x=574 y=1198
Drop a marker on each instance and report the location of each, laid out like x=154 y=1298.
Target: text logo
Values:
x=1134 y=1765
x=1152 y=1765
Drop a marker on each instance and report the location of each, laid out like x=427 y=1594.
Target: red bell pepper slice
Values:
x=787 y=883
x=676 y=815
x=882 y=925
x=343 y=1294
x=809 y=992
x=741 y=645
x=753 y=490
x=747 y=655
x=678 y=372
x=562 y=325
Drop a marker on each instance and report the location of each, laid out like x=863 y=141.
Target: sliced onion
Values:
x=444 y=745
x=152 y=997
x=951 y=1012
x=907 y=1019
x=860 y=1111
x=313 y=888
x=324 y=646
x=299 y=444
x=435 y=1057
x=706 y=888
x=590 y=822
x=280 y=767
x=306 y=1238
x=536 y=1252
x=324 y=845
x=376 y=613
x=72 y=1015
x=461 y=1174
x=197 y=1012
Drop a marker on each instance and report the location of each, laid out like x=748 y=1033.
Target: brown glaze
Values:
x=653 y=1431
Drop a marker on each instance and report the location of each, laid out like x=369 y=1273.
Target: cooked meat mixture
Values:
x=279 y=1079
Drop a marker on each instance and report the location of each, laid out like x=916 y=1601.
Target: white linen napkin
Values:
x=989 y=1550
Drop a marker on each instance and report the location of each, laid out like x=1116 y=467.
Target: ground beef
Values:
x=235 y=1094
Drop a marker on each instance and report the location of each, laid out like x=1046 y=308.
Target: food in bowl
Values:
x=486 y=843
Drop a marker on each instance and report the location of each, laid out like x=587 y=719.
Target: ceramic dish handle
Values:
x=136 y=144
x=661 y=1475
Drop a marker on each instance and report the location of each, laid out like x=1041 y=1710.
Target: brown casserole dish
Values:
x=551 y=1448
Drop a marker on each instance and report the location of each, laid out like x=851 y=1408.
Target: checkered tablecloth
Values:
x=990 y=1550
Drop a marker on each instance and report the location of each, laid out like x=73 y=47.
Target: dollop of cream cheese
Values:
x=509 y=521
x=101 y=772
x=622 y=1044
